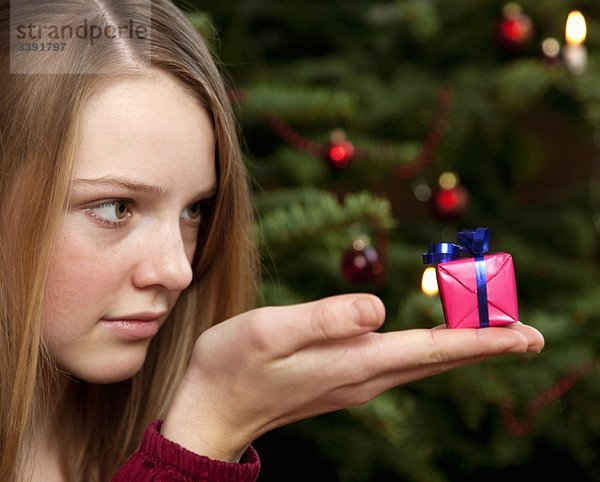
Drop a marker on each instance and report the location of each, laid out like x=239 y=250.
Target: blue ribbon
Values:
x=473 y=242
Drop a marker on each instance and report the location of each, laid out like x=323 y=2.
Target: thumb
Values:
x=335 y=317
x=348 y=315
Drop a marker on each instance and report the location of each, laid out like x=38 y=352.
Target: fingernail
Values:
x=517 y=349
x=365 y=312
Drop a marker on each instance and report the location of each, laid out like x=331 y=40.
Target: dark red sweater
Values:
x=161 y=460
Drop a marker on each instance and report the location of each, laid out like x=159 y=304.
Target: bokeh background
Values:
x=373 y=128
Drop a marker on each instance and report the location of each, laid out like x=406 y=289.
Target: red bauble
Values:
x=450 y=204
x=339 y=154
x=515 y=30
x=361 y=264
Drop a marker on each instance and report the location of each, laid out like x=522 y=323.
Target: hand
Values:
x=272 y=366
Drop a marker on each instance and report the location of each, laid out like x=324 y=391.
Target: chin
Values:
x=109 y=376
x=111 y=368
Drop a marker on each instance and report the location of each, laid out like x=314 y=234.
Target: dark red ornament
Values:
x=515 y=30
x=340 y=155
x=339 y=151
x=361 y=263
x=450 y=204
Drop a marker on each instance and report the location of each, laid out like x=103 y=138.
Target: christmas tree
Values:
x=374 y=128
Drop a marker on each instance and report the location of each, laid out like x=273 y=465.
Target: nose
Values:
x=162 y=260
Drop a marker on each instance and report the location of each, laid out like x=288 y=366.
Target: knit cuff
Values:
x=166 y=454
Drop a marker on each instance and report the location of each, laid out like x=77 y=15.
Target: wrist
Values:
x=197 y=426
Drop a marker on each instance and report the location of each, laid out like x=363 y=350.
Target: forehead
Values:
x=149 y=128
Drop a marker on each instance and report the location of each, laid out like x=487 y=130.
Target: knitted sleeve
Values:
x=160 y=460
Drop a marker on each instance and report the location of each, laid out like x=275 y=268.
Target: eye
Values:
x=112 y=213
x=194 y=212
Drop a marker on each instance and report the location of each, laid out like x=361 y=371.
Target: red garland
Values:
x=410 y=170
x=293 y=138
x=433 y=138
x=522 y=428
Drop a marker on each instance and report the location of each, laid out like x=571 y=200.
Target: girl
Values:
x=128 y=346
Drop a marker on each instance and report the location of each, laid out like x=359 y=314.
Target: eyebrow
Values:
x=134 y=185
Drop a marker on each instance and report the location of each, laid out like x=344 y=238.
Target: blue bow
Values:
x=474 y=242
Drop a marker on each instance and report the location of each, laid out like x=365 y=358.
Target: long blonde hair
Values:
x=38 y=134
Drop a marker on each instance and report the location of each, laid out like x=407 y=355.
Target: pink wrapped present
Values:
x=478 y=291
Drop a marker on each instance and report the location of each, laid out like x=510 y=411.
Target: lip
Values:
x=144 y=316
x=136 y=326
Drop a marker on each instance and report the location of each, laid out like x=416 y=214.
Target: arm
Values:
x=272 y=366
x=159 y=459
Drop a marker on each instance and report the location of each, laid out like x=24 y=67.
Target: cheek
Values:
x=79 y=279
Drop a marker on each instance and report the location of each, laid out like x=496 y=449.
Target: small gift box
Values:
x=477 y=291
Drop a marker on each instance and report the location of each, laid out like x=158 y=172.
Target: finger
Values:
x=421 y=348
x=413 y=353
x=535 y=339
x=379 y=384
x=293 y=327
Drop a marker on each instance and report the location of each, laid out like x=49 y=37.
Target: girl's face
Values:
x=145 y=164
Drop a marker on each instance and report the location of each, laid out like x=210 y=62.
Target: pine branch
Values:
x=300 y=104
x=386 y=415
x=312 y=214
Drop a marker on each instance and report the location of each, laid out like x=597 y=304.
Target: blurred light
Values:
x=360 y=243
x=422 y=192
x=429 y=284
x=597 y=221
x=448 y=180
x=338 y=153
x=550 y=47
x=447 y=200
x=575 y=30
x=511 y=9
